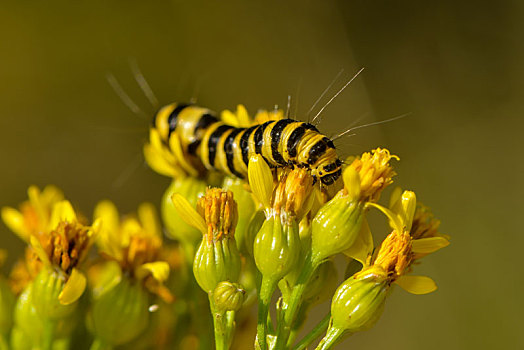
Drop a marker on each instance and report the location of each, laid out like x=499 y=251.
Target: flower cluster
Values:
x=231 y=245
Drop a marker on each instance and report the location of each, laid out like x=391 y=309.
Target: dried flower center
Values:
x=219 y=210
x=292 y=193
x=67 y=245
x=375 y=173
x=395 y=254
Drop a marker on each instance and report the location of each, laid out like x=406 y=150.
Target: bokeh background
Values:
x=455 y=66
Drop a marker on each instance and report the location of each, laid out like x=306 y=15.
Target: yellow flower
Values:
x=61 y=248
x=168 y=160
x=33 y=215
x=414 y=235
x=239 y=119
x=374 y=174
x=135 y=244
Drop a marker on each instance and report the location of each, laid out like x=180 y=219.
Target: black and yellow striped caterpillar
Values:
x=206 y=141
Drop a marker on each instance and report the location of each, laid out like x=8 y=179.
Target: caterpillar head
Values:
x=327 y=170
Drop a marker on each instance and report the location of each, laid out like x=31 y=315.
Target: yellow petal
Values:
x=15 y=221
x=188 y=213
x=149 y=219
x=416 y=284
x=405 y=207
x=52 y=194
x=243 y=117
x=363 y=246
x=351 y=182
x=103 y=277
x=73 y=289
x=429 y=245
x=180 y=156
x=108 y=213
x=39 y=250
x=229 y=118
x=260 y=179
x=157 y=162
x=159 y=270
x=62 y=211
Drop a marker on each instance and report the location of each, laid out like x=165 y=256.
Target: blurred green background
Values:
x=455 y=66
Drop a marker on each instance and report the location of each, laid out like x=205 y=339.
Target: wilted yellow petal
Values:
x=39 y=250
x=15 y=221
x=159 y=270
x=363 y=246
x=62 y=211
x=416 y=284
x=51 y=194
x=73 y=289
x=428 y=245
x=243 y=117
x=260 y=179
x=395 y=196
x=188 y=213
x=149 y=219
x=351 y=182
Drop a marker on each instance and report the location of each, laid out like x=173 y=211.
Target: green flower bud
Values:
x=358 y=304
x=336 y=226
x=246 y=208
x=7 y=302
x=228 y=296
x=46 y=289
x=276 y=248
x=190 y=188
x=216 y=262
x=217 y=258
x=121 y=313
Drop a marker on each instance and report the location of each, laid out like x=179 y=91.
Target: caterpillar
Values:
x=208 y=142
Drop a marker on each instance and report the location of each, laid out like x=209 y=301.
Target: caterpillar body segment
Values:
x=208 y=142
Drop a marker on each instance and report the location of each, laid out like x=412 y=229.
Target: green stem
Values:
x=220 y=323
x=294 y=302
x=99 y=344
x=314 y=334
x=267 y=288
x=331 y=338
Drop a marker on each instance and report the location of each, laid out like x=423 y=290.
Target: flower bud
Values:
x=276 y=248
x=217 y=258
x=190 y=188
x=228 y=296
x=336 y=226
x=46 y=289
x=121 y=313
x=358 y=304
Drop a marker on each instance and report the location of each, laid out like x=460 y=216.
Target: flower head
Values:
x=135 y=244
x=374 y=174
x=220 y=213
x=33 y=215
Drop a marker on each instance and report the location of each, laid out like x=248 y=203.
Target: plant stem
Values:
x=3 y=343
x=331 y=338
x=295 y=300
x=48 y=335
x=314 y=334
x=267 y=288
x=223 y=322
